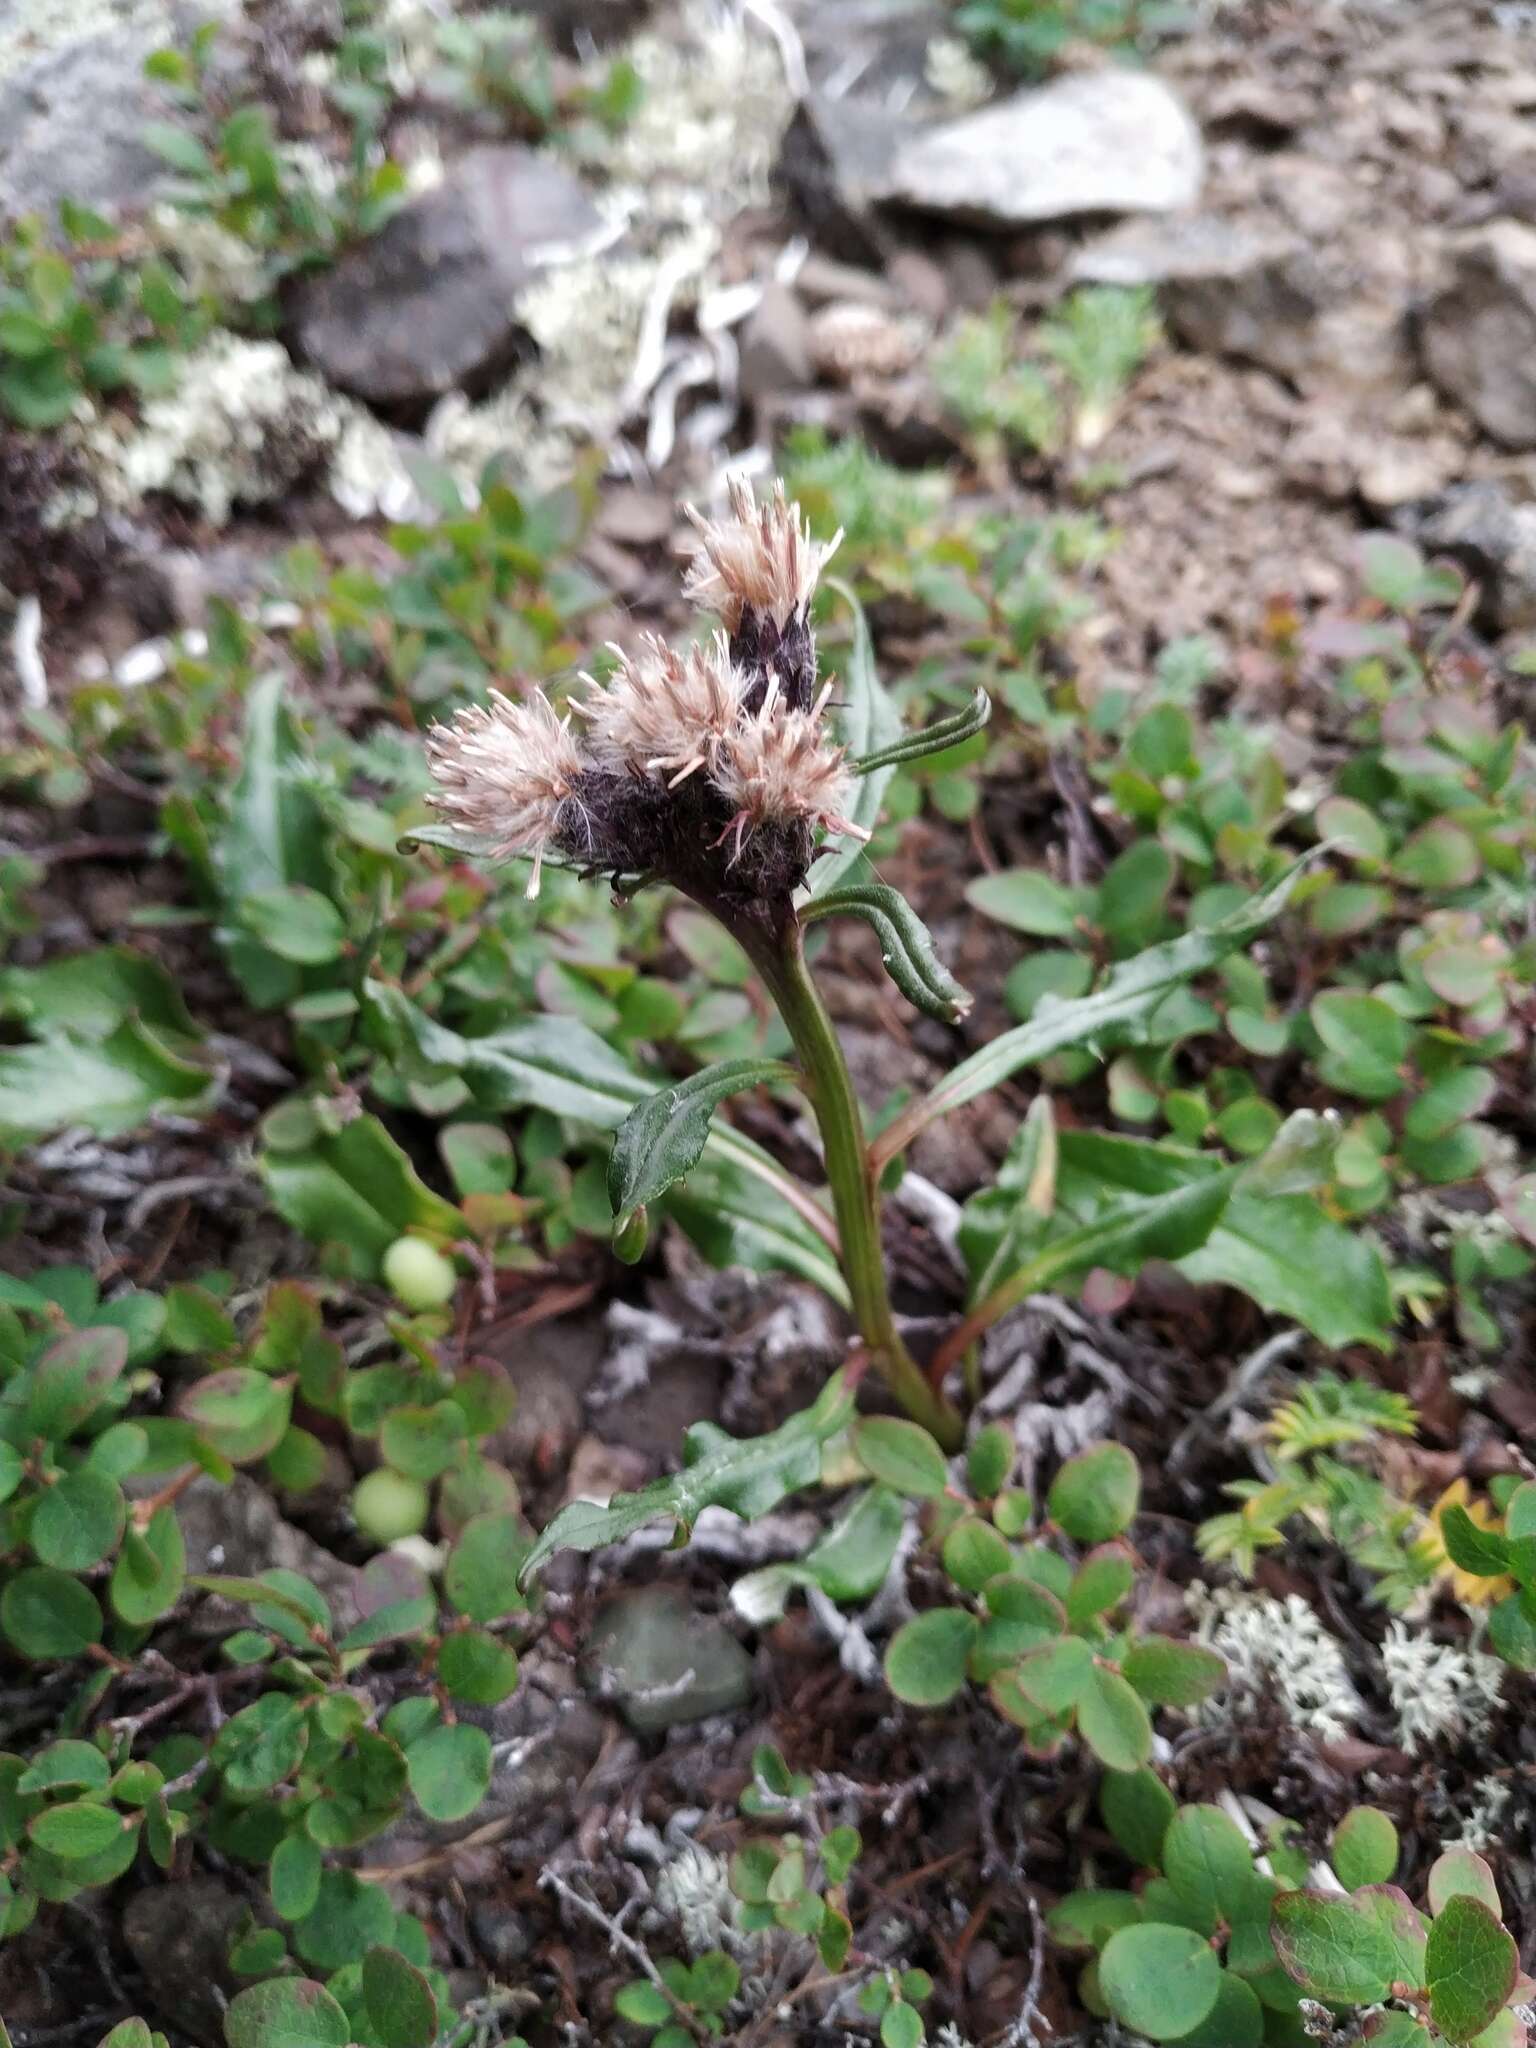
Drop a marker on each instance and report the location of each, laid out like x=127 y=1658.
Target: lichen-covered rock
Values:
x=429 y=304
x=1095 y=142
x=74 y=99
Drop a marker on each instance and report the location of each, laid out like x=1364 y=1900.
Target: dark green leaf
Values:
x=664 y=1136
x=1159 y=1981
x=1112 y=1721
x=1364 y=1848
x=1172 y=1674
x=748 y=1477
x=1470 y=1965
x=46 y=1614
x=901 y=1455
x=906 y=946
x=925 y=1661
x=1095 y=1495
x=401 y=2007
x=450 y=1770
x=287 y=2012
x=76 y=1830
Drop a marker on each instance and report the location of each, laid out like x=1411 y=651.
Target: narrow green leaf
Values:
x=1128 y=997
x=931 y=739
x=906 y=945
x=748 y=1477
x=664 y=1136
x=868 y=724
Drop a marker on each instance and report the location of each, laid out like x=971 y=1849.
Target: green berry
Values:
x=386 y=1505
x=418 y=1274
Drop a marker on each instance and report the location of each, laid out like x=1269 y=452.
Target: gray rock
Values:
x=179 y=1936
x=1095 y=142
x=237 y=1530
x=71 y=121
x=1493 y=538
x=1478 y=331
x=1264 y=295
x=835 y=165
x=775 y=344
x=428 y=305
x=661 y=1663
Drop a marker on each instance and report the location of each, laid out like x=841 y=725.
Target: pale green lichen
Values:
x=1278 y=1649
x=242 y=428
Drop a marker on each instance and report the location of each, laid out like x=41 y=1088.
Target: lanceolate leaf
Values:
x=746 y=1476
x=558 y=1064
x=906 y=947
x=869 y=723
x=1281 y=1251
x=1169 y=1225
x=662 y=1137
x=932 y=739
x=1127 y=999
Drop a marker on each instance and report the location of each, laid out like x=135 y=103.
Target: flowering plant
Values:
x=714 y=769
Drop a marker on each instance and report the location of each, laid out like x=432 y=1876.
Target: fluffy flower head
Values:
x=760 y=560
x=777 y=768
x=508 y=772
x=662 y=712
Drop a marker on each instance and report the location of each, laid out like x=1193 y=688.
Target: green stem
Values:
x=852 y=1178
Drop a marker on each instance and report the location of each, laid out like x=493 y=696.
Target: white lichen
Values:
x=368 y=477
x=714 y=104
x=1437 y=1690
x=216 y=264
x=586 y=317
x=955 y=74
x=694 y=1890
x=242 y=427
x=1277 y=1648
x=1482 y=1820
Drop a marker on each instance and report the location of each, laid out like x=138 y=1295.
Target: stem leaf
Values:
x=1128 y=998
x=747 y=1476
x=869 y=724
x=664 y=1136
x=906 y=945
x=932 y=739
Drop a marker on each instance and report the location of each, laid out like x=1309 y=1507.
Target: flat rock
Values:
x=1478 y=331
x=1265 y=295
x=1093 y=142
x=661 y=1663
x=428 y=305
x=72 y=116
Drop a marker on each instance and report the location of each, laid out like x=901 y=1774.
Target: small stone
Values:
x=775 y=344
x=1493 y=537
x=1478 y=331
x=663 y=1664
x=1094 y=142
x=179 y=1935
x=428 y=305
